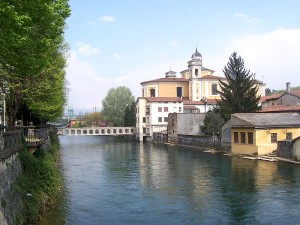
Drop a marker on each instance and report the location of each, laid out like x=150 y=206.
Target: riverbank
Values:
x=41 y=181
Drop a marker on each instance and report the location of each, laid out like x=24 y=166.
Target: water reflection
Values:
x=112 y=181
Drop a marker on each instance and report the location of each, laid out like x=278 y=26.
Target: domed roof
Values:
x=196 y=54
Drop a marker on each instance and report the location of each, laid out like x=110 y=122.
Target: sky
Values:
x=125 y=42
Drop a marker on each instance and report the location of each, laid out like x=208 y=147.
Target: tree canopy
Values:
x=239 y=93
x=115 y=104
x=212 y=122
x=33 y=56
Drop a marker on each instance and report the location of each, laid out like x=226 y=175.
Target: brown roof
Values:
x=281 y=108
x=209 y=101
x=277 y=96
x=167 y=79
x=213 y=77
x=190 y=107
x=269 y=97
x=164 y=99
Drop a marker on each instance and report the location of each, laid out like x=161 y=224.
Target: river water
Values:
x=111 y=181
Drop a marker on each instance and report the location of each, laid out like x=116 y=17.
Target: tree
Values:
x=93 y=119
x=239 y=93
x=130 y=115
x=268 y=92
x=32 y=56
x=114 y=105
x=212 y=122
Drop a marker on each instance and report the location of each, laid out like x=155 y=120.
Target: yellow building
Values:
x=258 y=133
x=196 y=91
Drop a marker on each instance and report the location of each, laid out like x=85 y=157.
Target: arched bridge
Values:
x=112 y=131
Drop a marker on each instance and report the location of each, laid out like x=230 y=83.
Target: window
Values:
x=250 y=137
x=289 y=136
x=179 y=109
x=159 y=109
x=273 y=137
x=152 y=92
x=214 y=89
x=179 y=91
x=165 y=119
x=235 y=137
x=144 y=130
x=159 y=119
x=243 y=137
x=196 y=72
x=144 y=119
x=166 y=109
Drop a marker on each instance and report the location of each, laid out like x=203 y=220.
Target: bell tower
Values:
x=195 y=68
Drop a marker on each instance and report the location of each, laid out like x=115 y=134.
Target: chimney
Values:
x=288 y=88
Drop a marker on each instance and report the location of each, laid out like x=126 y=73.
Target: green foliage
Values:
x=33 y=56
x=93 y=119
x=41 y=182
x=239 y=93
x=268 y=92
x=130 y=115
x=212 y=122
x=114 y=105
x=3 y=203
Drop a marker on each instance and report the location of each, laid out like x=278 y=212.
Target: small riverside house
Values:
x=258 y=133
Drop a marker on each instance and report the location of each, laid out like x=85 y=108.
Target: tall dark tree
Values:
x=130 y=116
x=239 y=93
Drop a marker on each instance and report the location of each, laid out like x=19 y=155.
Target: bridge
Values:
x=108 y=131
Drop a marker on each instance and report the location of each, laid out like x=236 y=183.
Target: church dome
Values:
x=196 y=54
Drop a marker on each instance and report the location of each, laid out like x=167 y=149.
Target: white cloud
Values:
x=108 y=19
x=86 y=49
x=248 y=19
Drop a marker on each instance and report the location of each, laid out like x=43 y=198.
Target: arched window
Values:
x=214 y=89
x=196 y=72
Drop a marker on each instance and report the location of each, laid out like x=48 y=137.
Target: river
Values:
x=111 y=181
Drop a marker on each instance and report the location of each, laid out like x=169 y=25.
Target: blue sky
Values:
x=124 y=42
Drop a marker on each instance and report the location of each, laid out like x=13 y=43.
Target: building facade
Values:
x=259 y=133
x=196 y=91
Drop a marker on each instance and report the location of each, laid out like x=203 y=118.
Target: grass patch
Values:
x=41 y=182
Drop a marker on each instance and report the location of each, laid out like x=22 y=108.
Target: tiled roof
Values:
x=274 y=96
x=213 y=77
x=281 y=108
x=262 y=120
x=296 y=93
x=164 y=99
x=209 y=101
x=190 y=107
x=277 y=96
x=167 y=79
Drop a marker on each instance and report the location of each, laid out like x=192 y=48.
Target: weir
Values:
x=107 y=131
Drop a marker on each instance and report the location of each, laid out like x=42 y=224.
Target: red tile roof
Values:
x=164 y=99
x=274 y=96
x=167 y=79
x=281 y=108
x=209 y=101
x=213 y=77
